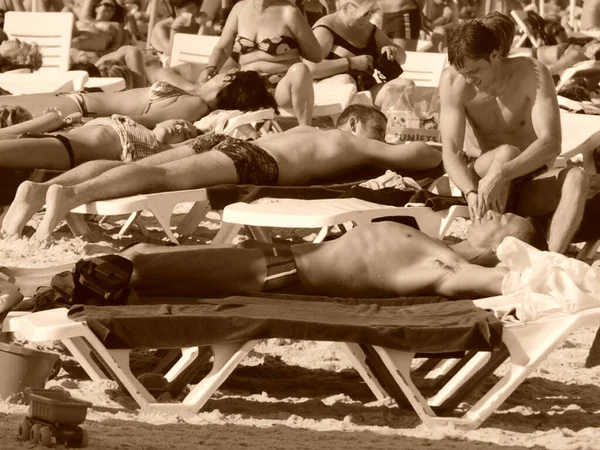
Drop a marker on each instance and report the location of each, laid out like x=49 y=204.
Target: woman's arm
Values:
x=310 y=48
x=224 y=47
x=327 y=67
x=48 y=122
x=160 y=36
x=133 y=58
x=383 y=41
x=189 y=108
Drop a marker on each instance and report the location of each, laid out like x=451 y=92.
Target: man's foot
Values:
x=29 y=198
x=59 y=201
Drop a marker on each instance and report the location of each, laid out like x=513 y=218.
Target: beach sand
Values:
x=289 y=395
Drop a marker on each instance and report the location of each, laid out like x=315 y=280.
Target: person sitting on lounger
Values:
x=500 y=127
x=381 y=259
x=245 y=91
x=299 y=156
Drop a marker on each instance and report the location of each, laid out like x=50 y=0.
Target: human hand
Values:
x=181 y=22
x=390 y=52
x=493 y=191
x=208 y=73
x=475 y=207
x=364 y=63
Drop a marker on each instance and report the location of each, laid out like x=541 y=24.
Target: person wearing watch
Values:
x=501 y=131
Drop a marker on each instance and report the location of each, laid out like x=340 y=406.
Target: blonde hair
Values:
x=12 y=115
x=30 y=56
x=361 y=6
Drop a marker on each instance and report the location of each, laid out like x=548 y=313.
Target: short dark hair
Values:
x=503 y=27
x=361 y=112
x=88 y=67
x=245 y=90
x=533 y=235
x=476 y=40
x=118 y=12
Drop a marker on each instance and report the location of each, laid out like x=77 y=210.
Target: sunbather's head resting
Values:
x=109 y=11
x=476 y=40
x=494 y=227
x=245 y=90
x=12 y=115
x=111 y=68
x=17 y=54
x=363 y=121
x=174 y=131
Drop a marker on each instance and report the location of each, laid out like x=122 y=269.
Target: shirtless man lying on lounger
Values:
x=298 y=156
x=501 y=128
x=383 y=259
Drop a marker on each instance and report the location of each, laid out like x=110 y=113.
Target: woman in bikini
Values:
x=271 y=37
x=245 y=91
x=353 y=48
x=98 y=31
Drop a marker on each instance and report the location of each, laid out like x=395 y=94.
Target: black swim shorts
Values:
x=252 y=164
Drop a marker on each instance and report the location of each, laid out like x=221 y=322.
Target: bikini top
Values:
x=162 y=90
x=272 y=46
x=338 y=41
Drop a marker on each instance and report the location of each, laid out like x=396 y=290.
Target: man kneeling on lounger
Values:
x=299 y=156
x=378 y=260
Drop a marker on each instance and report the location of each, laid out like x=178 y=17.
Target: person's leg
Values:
x=296 y=89
x=31 y=196
x=563 y=192
x=189 y=270
x=197 y=171
x=569 y=213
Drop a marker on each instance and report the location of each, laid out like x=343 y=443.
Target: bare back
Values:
x=504 y=119
x=382 y=259
x=307 y=154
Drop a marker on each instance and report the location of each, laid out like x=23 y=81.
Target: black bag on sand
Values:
x=99 y=281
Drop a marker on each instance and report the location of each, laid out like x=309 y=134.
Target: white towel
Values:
x=546 y=283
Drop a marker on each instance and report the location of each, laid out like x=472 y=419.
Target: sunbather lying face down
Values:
x=500 y=124
x=108 y=138
x=245 y=91
x=299 y=156
x=382 y=259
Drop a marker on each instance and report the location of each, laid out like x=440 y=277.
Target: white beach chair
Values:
x=526 y=345
x=191 y=48
x=43 y=82
x=425 y=69
x=51 y=31
x=326 y=213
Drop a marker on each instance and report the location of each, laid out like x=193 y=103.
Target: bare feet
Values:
x=59 y=201
x=30 y=197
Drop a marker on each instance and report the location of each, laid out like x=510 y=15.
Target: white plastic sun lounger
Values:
x=526 y=345
x=325 y=213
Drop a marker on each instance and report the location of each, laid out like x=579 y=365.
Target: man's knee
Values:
x=506 y=152
x=576 y=180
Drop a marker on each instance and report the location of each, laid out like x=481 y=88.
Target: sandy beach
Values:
x=289 y=395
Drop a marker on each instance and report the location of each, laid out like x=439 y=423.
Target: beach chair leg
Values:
x=132 y=217
x=226 y=359
x=82 y=354
x=593 y=358
x=163 y=213
x=142 y=225
x=188 y=356
x=193 y=218
x=259 y=233
x=77 y=225
x=358 y=358
x=226 y=234
x=589 y=250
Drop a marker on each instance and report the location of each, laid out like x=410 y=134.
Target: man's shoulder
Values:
x=527 y=69
x=454 y=83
